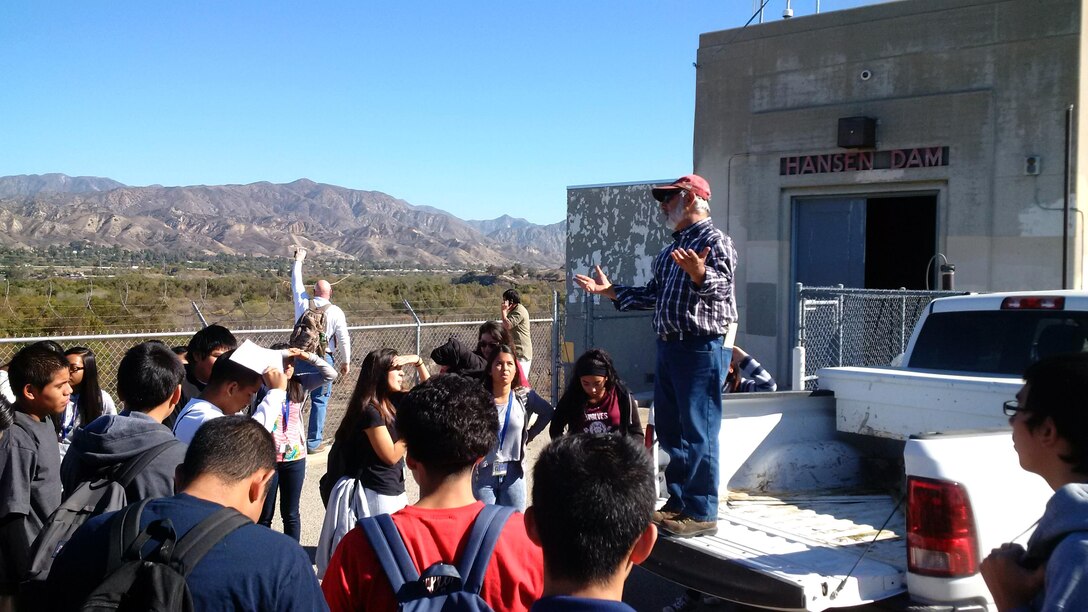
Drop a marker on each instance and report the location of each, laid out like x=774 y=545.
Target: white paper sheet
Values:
x=257 y=358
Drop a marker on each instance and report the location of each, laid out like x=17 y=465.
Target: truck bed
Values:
x=803 y=552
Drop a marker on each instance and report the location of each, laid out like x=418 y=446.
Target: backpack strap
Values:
x=126 y=472
x=202 y=538
x=481 y=543
x=124 y=533
x=389 y=548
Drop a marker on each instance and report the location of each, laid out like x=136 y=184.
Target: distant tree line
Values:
x=81 y=288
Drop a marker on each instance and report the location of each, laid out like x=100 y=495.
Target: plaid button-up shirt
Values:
x=679 y=305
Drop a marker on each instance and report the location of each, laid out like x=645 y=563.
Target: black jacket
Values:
x=568 y=415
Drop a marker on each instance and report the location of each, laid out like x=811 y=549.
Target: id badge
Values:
x=284 y=448
x=498 y=468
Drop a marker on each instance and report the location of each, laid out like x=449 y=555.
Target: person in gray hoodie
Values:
x=1049 y=420
x=149 y=383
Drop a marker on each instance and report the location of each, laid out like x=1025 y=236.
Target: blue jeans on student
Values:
x=319 y=401
x=687 y=419
x=507 y=490
x=287 y=479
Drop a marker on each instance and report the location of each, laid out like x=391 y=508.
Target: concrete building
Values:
x=866 y=147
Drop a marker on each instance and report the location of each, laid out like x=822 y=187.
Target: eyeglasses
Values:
x=1011 y=407
x=493 y=345
x=670 y=197
x=75 y=368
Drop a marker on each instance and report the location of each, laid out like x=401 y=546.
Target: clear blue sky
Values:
x=478 y=108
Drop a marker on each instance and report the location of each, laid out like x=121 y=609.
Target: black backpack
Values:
x=309 y=331
x=441 y=587
x=156 y=582
x=105 y=493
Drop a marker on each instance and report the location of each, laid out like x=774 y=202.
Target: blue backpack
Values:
x=441 y=586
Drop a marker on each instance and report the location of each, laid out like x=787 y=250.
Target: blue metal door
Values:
x=829 y=241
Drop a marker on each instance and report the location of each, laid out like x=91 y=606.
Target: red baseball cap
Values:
x=691 y=182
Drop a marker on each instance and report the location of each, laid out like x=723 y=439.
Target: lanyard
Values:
x=286 y=413
x=506 y=422
x=67 y=427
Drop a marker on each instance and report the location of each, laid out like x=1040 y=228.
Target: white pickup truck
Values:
x=888 y=483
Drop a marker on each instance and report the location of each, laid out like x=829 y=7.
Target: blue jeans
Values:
x=508 y=490
x=287 y=479
x=687 y=419
x=319 y=402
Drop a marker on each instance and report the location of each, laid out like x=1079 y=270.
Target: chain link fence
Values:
x=406 y=338
x=838 y=326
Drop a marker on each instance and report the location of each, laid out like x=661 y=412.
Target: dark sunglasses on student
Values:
x=483 y=344
x=1011 y=407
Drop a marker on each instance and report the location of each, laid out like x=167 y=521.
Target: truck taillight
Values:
x=941 y=537
x=649 y=437
x=1035 y=302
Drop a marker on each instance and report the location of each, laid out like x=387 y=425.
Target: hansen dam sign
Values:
x=853 y=161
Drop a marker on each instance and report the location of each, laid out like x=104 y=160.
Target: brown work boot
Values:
x=684 y=526
x=662 y=515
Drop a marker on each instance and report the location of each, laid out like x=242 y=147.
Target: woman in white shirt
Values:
x=500 y=478
x=88 y=400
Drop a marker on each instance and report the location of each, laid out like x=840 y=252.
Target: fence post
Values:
x=902 y=323
x=557 y=350
x=842 y=307
x=419 y=326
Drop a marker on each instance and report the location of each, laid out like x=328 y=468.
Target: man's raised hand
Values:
x=599 y=285
x=691 y=262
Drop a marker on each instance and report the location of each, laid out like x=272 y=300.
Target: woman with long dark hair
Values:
x=289 y=435
x=367 y=456
x=500 y=478
x=88 y=400
x=596 y=400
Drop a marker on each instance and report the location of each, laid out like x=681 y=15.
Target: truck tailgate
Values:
x=798 y=553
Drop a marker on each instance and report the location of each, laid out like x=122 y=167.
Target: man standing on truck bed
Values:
x=1050 y=435
x=695 y=316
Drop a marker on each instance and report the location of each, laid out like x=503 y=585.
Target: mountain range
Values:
x=265 y=219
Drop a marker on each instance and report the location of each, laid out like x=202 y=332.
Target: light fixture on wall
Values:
x=1031 y=165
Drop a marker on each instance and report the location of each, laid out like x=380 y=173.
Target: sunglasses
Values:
x=493 y=345
x=1011 y=407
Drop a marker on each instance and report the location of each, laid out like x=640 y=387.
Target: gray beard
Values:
x=672 y=219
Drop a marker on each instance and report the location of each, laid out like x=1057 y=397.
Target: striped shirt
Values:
x=680 y=306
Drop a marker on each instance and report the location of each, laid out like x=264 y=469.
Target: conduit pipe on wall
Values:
x=1065 y=196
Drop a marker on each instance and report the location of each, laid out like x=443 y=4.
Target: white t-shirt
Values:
x=198 y=411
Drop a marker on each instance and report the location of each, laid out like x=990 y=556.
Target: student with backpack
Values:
x=326 y=327
x=149 y=385
x=366 y=464
x=244 y=566
x=30 y=487
x=116 y=460
x=448 y=424
x=592 y=499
